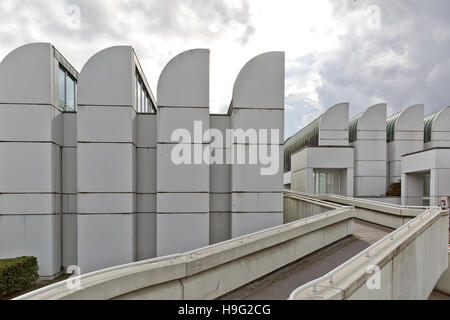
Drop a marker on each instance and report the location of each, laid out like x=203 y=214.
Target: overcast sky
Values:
x=362 y=52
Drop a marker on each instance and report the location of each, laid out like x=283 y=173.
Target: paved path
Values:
x=279 y=284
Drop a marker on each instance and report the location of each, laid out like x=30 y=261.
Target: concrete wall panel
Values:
x=39 y=236
x=184 y=81
x=105 y=167
x=105 y=240
x=246 y=223
x=191 y=230
x=26 y=75
x=106 y=124
x=107 y=78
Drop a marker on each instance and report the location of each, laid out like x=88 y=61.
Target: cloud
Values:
x=406 y=61
x=334 y=50
x=158 y=29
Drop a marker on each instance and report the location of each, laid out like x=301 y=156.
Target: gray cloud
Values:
x=105 y=21
x=407 y=61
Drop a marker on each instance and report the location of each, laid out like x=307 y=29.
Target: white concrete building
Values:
x=87 y=175
x=404 y=135
x=319 y=156
x=426 y=173
x=426 y=177
x=368 y=137
x=37 y=97
x=436 y=128
x=403 y=148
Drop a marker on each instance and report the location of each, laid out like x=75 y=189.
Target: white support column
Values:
x=258 y=103
x=220 y=183
x=371 y=152
x=183 y=188
x=30 y=150
x=408 y=138
x=69 y=190
x=106 y=177
x=146 y=187
x=412 y=189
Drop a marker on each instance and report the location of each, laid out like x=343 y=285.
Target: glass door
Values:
x=327 y=181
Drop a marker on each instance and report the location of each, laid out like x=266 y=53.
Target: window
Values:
x=143 y=102
x=67 y=90
x=327 y=181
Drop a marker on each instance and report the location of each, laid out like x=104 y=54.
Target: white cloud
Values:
x=331 y=54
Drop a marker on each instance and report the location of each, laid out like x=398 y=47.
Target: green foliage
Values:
x=18 y=274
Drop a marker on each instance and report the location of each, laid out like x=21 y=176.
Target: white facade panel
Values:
x=220 y=202
x=106 y=167
x=30 y=235
x=242 y=224
x=146 y=236
x=146 y=203
x=31 y=122
x=106 y=124
x=29 y=167
x=105 y=240
x=191 y=230
x=146 y=166
x=95 y=203
x=172 y=119
x=257 y=202
x=183 y=203
x=180 y=178
x=219 y=227
x=29 y=203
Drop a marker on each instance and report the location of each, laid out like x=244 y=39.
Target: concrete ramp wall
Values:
x=298 y=207
x=444 y=282
x=405 y=265
x=210 y=272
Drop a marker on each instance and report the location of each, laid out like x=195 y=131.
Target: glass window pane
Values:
x=62 y=87
x=70 y=102
x=336 y=181
x=139 y=98
x=136 y=92
x=329 y=182
x=426 y=185
x=142 y=98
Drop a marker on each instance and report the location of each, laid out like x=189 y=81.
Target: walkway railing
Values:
x=329 y=280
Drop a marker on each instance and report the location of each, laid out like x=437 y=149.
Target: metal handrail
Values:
x=382 y=203
x=365 y=252
x=313 y=200
x=359 y=199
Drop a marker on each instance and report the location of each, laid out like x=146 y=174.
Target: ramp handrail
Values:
x=366 y=252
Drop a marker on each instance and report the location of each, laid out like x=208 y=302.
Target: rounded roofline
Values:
x=261 y=82
x=103 y=52
x=329 y=117
x=184 y=80
x=409 y=109
x=367 y=115
x=103 y=79
x=24 y=47
x=33 y=84
x=434 y=119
